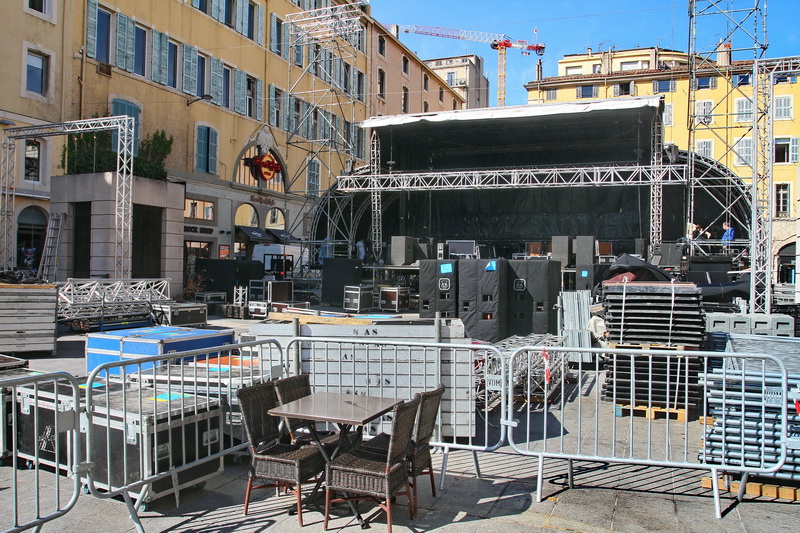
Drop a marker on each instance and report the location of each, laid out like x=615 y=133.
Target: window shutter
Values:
x=672 y=85
x=577 y=92
x=287 y=39
x=130 y=48
x=712 y=82
x=616 y=89
x=260 y=25
x=196 y=3
x=272 y=105
x=655 y=86
x=259 y=100
x=217 y=11
x=354 y=81
x=189 y=69
x=241 y=16
x=212 y=151
x=155 y=70
x=793 y=150
x=202 y=148
x=240 y=92
x=216 y=81
x=288 y=109
x=273 y=33
x=595 y=91
x=121 y=58
x=298 y=50
x=91 y=28
x=164 y=58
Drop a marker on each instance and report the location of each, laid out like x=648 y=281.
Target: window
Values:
x=276 y=41
x=451 y=78
x=348 y=77
x=455 y=104
x=43 y=9
x=139 y=50
x=551 y=94
x=702 y=111
x=744 y=110
x=226 y=87
x=663 y=86
x=668 y=114
x=707 y=82
x=206 y=149
x=361 y=84
x=574 y=71
x=172 y=65
x=381 y=45
x=405 y=65
x=198 y=209
x=782 y=200
x=596 y=68
x=425 y=82
x=704 y=148
x=203 y=5
x=623 y=89
x=227 y=12
x=441 y=94
x=250 y=31
x=629 y=65
x=381 y=84
x=275 y=106
x=33 y=164
x=312 y=177
x=424 y=107
x=103 y=37
x=123 y=107
x=250 y=96
x=36 y=73
x=744 y=152
x=200 y=90
x=588 y=91
x=786 y=150
x=740 y=80
x=783 y=108
x=37 y=5
x=785 y=79
x=405 y=100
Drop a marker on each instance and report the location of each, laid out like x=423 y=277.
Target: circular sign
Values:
x=266 y=166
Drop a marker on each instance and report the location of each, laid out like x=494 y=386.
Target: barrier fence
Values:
x=669 y=408
x=148 y=427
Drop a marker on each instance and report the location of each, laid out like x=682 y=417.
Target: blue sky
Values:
x=569 y=27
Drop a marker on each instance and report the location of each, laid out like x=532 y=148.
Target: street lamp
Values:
x=201 y=97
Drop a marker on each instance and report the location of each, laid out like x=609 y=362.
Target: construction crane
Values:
x=497 y=41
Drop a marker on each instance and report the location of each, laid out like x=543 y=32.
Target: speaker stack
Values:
x=533 y=287
x=438 y=288
x=585 y=259
x=482 y=298
x=562 y=251
x=336 y=274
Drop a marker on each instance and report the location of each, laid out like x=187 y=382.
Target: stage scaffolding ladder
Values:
x=49 y=261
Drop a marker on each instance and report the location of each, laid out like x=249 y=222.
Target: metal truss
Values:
x=518 y=178
x=335 y=22
x=738 y=27
x=124 y=181
x=375 y=200
x=657 y=186
x=93 y=298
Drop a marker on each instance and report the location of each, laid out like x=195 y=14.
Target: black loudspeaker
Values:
x=640 y=248
x=533 y=287
x=223 y=274
x=336 y=274
x=585 y=251
x=482 y=298
x=438 y=288
x=562 y=251
x=587 y=276
x=668 y=254
x=401 y=251
x=442 y=251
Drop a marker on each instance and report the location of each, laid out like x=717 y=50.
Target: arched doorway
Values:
x=246 y=216
x=31 y=231
x=787 y=263
x=275 y=219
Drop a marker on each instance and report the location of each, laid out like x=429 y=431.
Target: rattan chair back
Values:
x=255 y=401
x=291 y=389
x=429 y=402
x=403 y=417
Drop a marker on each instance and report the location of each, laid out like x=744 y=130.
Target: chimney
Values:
x=724 y=54
x=394 y=29
x=539 y=70
x=589 y=52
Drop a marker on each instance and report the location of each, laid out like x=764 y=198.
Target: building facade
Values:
x=465 y=75
x=255 y=105
x=726 y=110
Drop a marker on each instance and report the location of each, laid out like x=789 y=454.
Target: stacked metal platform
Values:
x=667 y=314
x=575 y=312
x=758 y=387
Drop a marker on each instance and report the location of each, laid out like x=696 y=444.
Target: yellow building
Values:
x=235 y=89
x=726 y=110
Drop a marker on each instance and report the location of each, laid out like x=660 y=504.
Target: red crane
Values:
x=497 y=41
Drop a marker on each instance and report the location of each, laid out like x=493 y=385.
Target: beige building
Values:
x=465 y=75
x=725 y=105
x=261 y=119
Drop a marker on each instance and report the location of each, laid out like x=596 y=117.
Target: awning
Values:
x=256 y=234
x=281 y=235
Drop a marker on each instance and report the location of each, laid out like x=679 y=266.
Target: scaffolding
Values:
x=123 y=126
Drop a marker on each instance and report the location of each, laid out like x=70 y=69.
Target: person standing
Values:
x=728 y=236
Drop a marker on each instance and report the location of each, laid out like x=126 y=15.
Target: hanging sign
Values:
x=265 y=166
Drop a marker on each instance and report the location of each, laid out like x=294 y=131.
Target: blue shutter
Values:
x=287 y=39
x=202 y=148
x=189 y=69
x=216 y=81
x=793 y=150
x=216 y=10
x=272 y=106
x=260 y=25
x=196 y=3
x=259 y=100
x=122 y=42
x=241 y=16
x=240 y=92
x=155 y=70
x=273 y=33
x=91 y=28
x=298 y=50
x=212 y=151
x=287 y=112
x=164 y=58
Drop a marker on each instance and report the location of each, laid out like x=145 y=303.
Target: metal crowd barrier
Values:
x=43 y=411
x=155 y=425
x=401 y=369
x=667 y=408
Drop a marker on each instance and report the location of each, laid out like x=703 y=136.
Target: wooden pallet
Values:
x=757 y=488
x=651 y=413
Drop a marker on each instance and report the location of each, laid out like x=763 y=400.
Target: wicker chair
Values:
x=289 y=465
x=363 y=475
x=419 y=451
x=294 y=388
